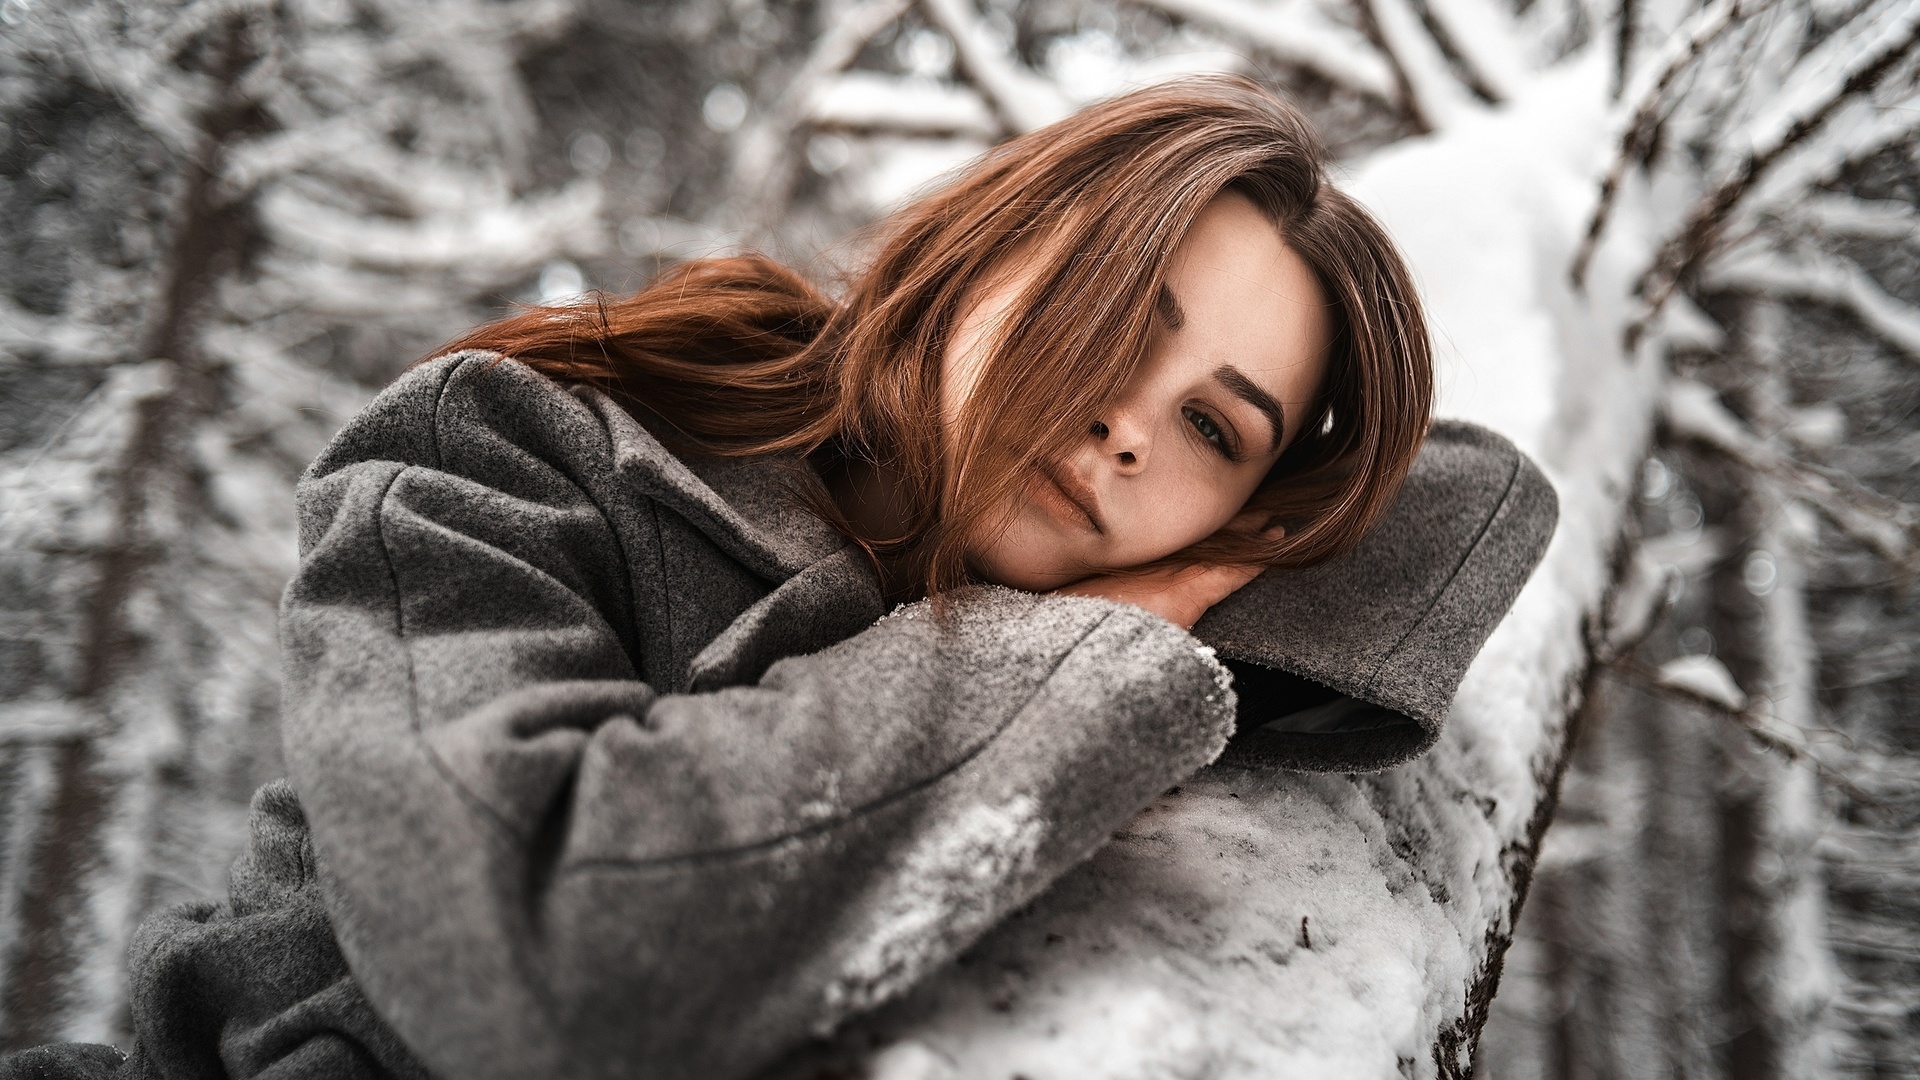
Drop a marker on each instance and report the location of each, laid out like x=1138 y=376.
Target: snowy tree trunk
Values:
x=146 y=534
x=100 y=787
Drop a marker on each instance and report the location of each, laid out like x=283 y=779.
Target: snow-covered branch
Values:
x=1826 y=279
x=1848 y=62
x=1862 y=128
x=873 y=101
x=1023 y=100
x=478 y=49
x=823 y=93
x=1889 y=527
x=1705 y=684
x=1845 y=67
x=93 y=41
x=64 y=340
x=486 y=246
x=1434 y=97
x=1481 y=34
x=1856 y=219
x=1295 y=32
x=1645 y=99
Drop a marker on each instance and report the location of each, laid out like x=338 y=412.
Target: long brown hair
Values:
x=743 y=357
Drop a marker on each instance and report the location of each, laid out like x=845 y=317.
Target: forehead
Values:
x=1248 y=299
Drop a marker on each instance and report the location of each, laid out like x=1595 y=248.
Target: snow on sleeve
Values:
x=950 y=876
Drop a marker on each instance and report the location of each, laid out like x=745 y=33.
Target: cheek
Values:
x=1176 y=510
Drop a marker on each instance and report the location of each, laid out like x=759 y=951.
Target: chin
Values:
x=1031 y=553
x=1021 y=570
x=1034 y=581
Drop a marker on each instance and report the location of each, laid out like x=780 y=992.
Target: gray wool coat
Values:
x=610 y=763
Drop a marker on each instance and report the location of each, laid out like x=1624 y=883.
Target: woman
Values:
x=609 y=758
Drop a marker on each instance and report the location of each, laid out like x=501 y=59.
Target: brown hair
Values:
x=740 y=356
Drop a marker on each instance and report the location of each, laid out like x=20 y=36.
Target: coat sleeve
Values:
x=537 y=864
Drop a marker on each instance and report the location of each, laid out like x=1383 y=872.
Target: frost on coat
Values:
x=947 y=879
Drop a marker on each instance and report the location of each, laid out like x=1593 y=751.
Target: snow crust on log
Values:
x=1265 y=923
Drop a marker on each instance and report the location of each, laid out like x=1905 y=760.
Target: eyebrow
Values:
x=1236 y=383
x=1168 y=305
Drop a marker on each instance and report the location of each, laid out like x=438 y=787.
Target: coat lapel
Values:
x=748 y=507
x=823 y=589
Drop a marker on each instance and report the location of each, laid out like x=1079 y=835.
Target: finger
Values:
x=1218 y=582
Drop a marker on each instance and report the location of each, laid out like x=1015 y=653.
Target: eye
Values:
x=1210 y=430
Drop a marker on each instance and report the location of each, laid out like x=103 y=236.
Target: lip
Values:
x=1075 y=491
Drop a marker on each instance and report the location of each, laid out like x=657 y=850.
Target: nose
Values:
x=1124 y=438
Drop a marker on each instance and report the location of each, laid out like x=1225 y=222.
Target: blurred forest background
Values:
x=226 y=223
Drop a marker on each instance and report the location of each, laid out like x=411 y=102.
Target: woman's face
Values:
x=1240 y=341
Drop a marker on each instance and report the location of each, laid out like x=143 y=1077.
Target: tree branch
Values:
x=1643 y=103
x=1757 y=719
x=1625 y=29
x=1863 y=128
x=763 y=168
x=872 y=101
x=1433 y=97
x=1808 y=108
x=1296 y=34
x=1856 y=218
x=1889 y=527
x=1825 y=279
x=1479 y=35
x=1023 y=100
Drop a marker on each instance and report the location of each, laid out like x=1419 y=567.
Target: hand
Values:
x=1180 y=595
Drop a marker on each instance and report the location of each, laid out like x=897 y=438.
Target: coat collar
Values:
x=750 y=507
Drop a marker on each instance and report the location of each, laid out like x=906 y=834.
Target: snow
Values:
x=1704 y=677
x=1297 y=32
x=871 y=99
x=1179 y=949
x=940 y=897
x=1827 y=279
x=1484 y=275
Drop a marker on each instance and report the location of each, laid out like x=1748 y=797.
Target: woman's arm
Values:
x=537 y=864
